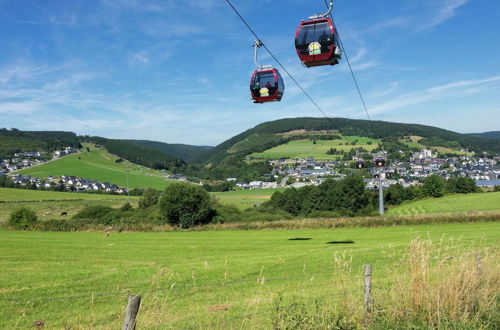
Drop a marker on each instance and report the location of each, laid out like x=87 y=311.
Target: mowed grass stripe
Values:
x=450 y=204
x=67 y=264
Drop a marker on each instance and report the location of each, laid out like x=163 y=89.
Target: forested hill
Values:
x=12 y=141
x=186 y=152
x=264 y=136
x=488 y=135
x=138 y=154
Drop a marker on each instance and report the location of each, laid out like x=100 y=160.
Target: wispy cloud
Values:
x=443 y=12
x=450 y=90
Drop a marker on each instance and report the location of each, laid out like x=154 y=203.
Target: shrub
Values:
x=227 y=213
x=126 y=207
x=23 y=219
x=93 y=212
x=149 y=198
x=434 y=186
x=186 y=205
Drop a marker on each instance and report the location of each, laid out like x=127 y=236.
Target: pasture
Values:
x=306 y=148
x=100 y=165
x=43 y=202
x=208 y=279
x=244 y=199
x=450 y=204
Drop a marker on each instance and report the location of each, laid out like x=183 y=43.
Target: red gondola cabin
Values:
x=316 y=43
x=266 y=86
x=380 y=161
x=360 y=163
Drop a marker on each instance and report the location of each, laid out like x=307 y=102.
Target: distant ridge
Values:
x=488 y=135
x=186 y=152
x=264 y=136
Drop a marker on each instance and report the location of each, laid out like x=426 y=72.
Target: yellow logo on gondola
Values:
x=264 y=92
x=314 y=48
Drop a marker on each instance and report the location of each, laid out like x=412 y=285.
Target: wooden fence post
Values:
x=131 y=313
x=368 y=289
x=478 y=263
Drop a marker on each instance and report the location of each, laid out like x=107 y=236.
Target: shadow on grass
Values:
x=341 y=242
x=300 y=239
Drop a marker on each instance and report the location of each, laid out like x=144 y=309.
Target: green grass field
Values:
x=99 y=165
x=244 y=199
x=306 y=148
x=180 y=274
x=55 y=202
x=449 y=204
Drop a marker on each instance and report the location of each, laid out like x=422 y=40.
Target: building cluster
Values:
x=67 y=183
x=303 y=172
x=21 y=160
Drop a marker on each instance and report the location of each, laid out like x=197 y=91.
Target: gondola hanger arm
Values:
x=325 y=14
x=257 y=45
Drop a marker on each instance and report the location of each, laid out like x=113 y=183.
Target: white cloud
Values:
x=444 y=12
x=450 y=90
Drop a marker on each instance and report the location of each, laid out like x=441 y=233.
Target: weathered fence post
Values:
x=478 y=263
x=131 y=313
x=368 y=289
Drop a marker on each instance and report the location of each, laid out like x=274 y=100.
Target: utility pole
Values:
x=128 y=192
x=380 y=193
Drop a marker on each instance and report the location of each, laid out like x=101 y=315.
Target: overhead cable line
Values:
x=351 y=70
x=277 y=61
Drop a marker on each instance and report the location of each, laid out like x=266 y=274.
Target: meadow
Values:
x=450 y=204
x=244 y=199
x=306 y=148
x=54 y=202
x=100 y=165
x=213 y=279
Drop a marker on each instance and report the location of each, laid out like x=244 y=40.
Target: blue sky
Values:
x=178 y=71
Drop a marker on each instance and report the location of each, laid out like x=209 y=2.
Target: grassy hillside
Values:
x=186 y=152
x=267 y=135
x=100 y=165
x=451 y=203
x=180 y=275
x=54 y=202
x=318 y=150
x=138 y=154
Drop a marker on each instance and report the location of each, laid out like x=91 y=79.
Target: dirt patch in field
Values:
x=216 y=308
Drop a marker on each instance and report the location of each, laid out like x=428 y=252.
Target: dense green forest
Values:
x=138 y=154
x=186 y=152
x=488 y=135
x=14 y=140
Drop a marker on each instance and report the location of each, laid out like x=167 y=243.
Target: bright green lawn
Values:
x=99 y=165
x=306 y=148
x=188 y=265
x=244 y=199
x=449 y=204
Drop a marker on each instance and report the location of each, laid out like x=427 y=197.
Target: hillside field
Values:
x=450 y=204
x=101 y=166
x=306 y=148
x=53 y=201
x=208 y=279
